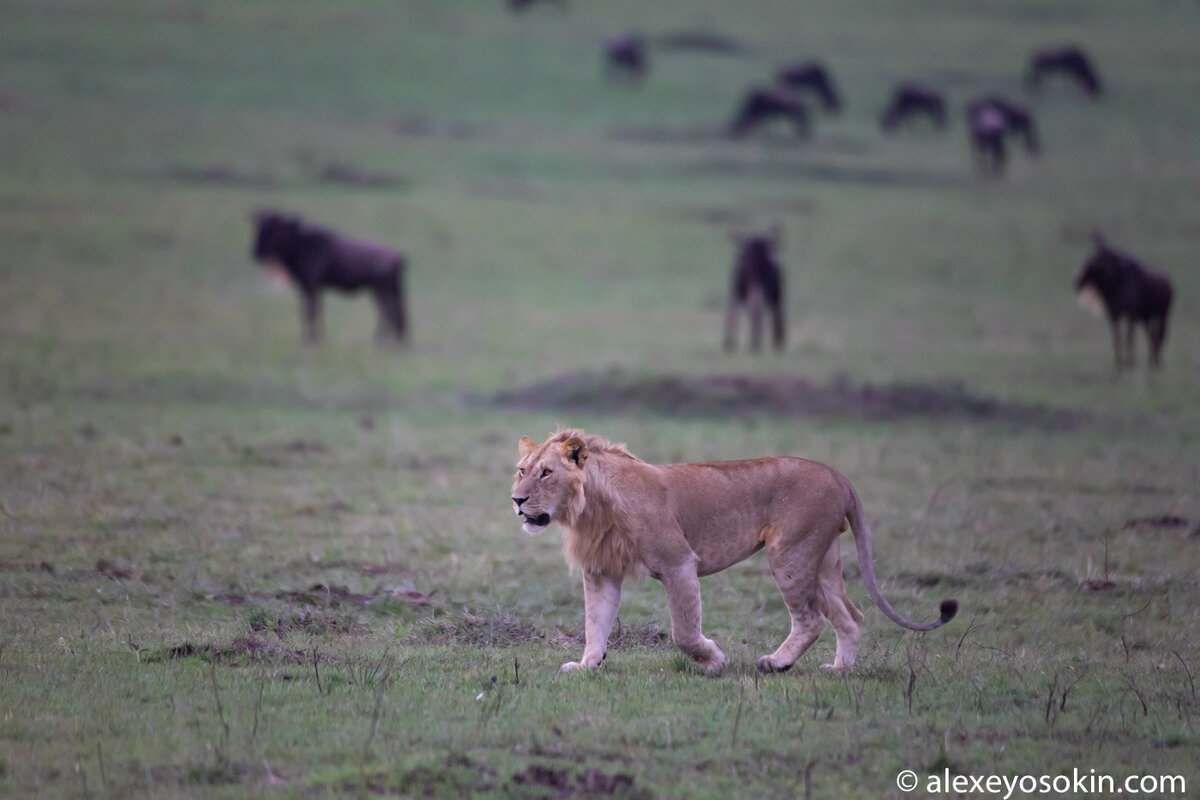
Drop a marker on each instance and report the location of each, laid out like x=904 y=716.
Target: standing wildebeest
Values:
x=1070 y=61
x=314 y=258
x=812 y=75
x=625 y=56
x=757 y=283
x=1127 y=291
x=762 y=104
x=910 y=99
x=521 y=5
x=990 y=121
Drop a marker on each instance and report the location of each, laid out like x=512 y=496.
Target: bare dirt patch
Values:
x=647 y=634
x=242 y=650
x=618 y=392
x=699 y=41
x=588 y=783
x=348 y=175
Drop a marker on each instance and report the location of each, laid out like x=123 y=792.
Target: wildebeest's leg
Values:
x=1156 y=329
x=1130 y=358
x=601 y=600
x=683 y=595
x=754 y=302
x=778 y=331
x=391 y=309
x=310 y=311
x=731 y=321
x=1115 y=325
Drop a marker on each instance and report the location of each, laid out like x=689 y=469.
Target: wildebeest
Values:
x=990 y=121
x=814 y=76
x=761 y=104
x=757 y=284
x=521 y=5
x=1070 y=61
x=314 y=258
x=625 y=56
x=1127 y=291
x=909 y=100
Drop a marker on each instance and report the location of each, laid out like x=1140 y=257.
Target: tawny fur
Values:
x=622 y=517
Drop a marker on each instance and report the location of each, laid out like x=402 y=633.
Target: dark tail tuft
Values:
x=949 y=609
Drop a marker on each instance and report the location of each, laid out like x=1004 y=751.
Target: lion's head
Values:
x=548 y=486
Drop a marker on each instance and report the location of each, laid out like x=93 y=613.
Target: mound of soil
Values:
x=617 y=392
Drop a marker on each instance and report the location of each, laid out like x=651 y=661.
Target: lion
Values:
x=623 y=518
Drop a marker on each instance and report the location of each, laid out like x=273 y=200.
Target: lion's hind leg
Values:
x=797 y=581
x=837 y=607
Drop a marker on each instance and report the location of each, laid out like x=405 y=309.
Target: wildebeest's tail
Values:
x=862 y=541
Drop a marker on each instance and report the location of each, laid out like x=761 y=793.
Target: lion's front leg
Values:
x=601 y=600
x=683 y=596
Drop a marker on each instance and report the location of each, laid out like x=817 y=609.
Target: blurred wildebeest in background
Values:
x=1118 y=286
x=762 y=104
x=814 y=76
x=314 y=258
x=1070 y=61
x=625 y=57
x=990 y=121
x=912 y=99
x=521 y=5
x=757 y=284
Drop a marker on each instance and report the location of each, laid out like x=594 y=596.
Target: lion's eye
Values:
x=520 y=472
x=545 y=473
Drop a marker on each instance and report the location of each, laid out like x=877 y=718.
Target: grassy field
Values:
x=233 y=565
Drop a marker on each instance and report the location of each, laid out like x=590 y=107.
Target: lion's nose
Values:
x=519 y=501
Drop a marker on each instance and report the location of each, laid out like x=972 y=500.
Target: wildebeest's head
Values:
x=1102 y=270
x=274 y=235
x=758 y=245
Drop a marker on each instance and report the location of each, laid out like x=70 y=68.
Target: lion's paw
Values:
x=714 y=665
x=765 y=664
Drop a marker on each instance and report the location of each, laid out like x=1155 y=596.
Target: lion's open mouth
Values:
x=540 y=521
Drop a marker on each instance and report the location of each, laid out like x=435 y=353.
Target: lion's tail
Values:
x=866 y=566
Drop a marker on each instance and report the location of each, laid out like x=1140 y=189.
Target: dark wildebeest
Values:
x=990 y=121
x=625 y=57
x=812 y=75
x=314 y=258
x=1070 y=61
x=1127 y=291
x=521 y=5
x=909 y=100
x=761 y=104
x=757 y=284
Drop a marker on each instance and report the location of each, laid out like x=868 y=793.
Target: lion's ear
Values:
x=575 y=449
x=526 y=446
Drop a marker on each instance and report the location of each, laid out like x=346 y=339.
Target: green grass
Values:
x=230 y=565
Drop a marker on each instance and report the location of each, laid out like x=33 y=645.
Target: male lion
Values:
x=622 y=517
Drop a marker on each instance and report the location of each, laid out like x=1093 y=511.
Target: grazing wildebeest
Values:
x=625 y=57
x=990 y=121
x=761 y=104
x=909 y=100
x=757 y=284
x=1127 y=291
x=814 y=76
x=314 y=258
x=1070 y=61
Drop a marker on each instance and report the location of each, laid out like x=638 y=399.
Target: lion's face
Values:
x=549 y=479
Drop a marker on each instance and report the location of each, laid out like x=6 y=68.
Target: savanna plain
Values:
x=234 y=565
